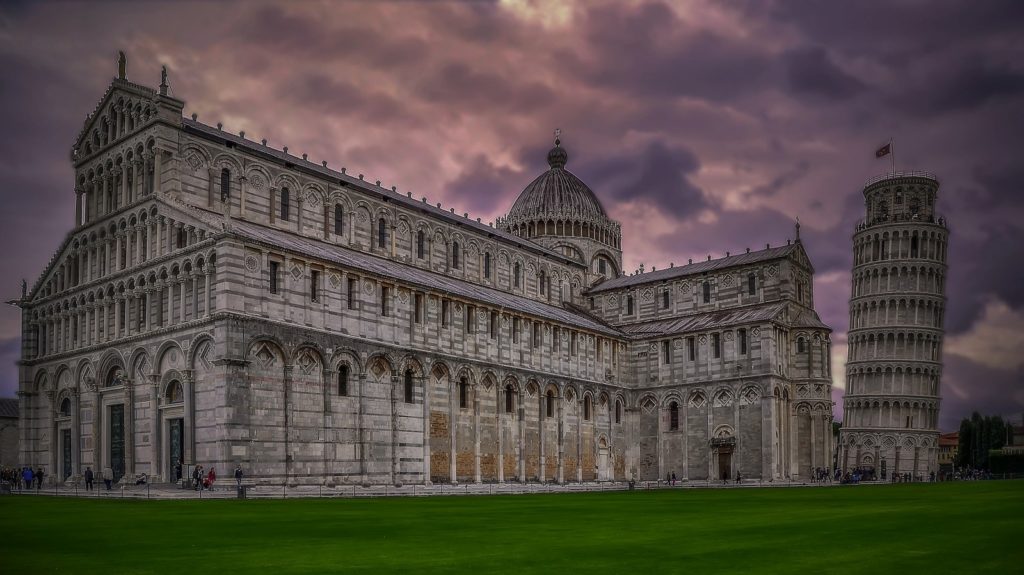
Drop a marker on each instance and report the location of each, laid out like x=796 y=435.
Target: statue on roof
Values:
x=122 y=64
x=163 y=80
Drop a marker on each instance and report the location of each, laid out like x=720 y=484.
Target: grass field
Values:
x=925 y=528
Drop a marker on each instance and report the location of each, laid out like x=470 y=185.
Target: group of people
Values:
x=107 y=476
x=201 y=480
x=23 y=478
x=821 y=475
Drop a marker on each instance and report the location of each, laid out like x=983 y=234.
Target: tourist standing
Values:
x=26 y=478
x=238 y=476
x=88 y=478
x=108 y=477
x=39 y=478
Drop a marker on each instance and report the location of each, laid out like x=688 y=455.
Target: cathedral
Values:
x=219 y=302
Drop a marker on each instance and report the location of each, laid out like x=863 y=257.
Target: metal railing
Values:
x=895 y=175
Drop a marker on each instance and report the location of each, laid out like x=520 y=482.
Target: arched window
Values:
x=343 y=380
x=65 y=407
x=602 y=267
x=629 y=305
x=382 y=233
x=801 y=347
x=673 y=416
x=455 y=255
x=550 y=403
x=225 y=184
x=174 y=393
x=543 y=282
x=618 y=411
x=408 y=386
x=463 y=393
x=115 y=377
x=515 y=274
x=419 y=244
x=285 y=203
x=339 y=219
x=586 y=408
x=913 y=247
x=510 y=399
x=487 y=265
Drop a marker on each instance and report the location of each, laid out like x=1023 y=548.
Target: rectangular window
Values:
x=515 y=330
x=418 y=308
x=598 y=349
x=343 y=380
x=385 y=294
x=751 y=284
x=535 y=340
x=554 y=338
x=470 y=319
x=445 y=305
x=493 y=325
x=629 y=305
x=691 y=346
x=664 y=299
x=707 y=292
x=742 y=337
x=666 y=352
x=314 y=284
x=353 y=285
x=572 y=344
x=463 y=394
x=716 y=341
x=274 y=273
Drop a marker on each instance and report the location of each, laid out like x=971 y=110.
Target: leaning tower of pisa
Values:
x=897 y=305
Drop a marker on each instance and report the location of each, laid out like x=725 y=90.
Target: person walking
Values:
x=211 y=477
x=88 y=478
x=39 y=478
x=238 y=476
x=108 y=477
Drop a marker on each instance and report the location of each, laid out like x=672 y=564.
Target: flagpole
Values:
x=892 y=158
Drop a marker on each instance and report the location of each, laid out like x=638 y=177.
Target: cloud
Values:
x=810 y=71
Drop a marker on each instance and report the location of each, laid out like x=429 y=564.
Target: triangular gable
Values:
x=799 y=255
x=178 y=210
x=118 y=89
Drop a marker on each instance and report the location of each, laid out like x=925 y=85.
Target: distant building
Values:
x=949 y=443
x=8 y=431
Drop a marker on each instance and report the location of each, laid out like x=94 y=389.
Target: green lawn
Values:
x=926 y=528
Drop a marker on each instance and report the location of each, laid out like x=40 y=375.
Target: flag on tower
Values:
x=884 y=150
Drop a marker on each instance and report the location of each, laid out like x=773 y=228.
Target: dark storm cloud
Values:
x=658 y=174
x=649 y=51
x=810 y=71
x=484 y=187
x=968 y=386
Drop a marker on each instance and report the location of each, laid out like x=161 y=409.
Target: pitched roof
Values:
x=8 y=407
x=707 y=320
x=697 y=268
x=415 y=276
x=404 y=200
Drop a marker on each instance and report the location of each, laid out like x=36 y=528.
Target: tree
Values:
x=978 y=436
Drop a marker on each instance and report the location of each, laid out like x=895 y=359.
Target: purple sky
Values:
x=704 y=127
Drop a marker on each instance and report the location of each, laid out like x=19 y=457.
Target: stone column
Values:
x=394 y=428
x=273 y=199
x=427 y=387
x=158 y=165
x=181 y=298
x=51 y=396
x=242 y=181
x=209 y=289
x=561 y=436
x=118 y=311
x=129 y=429
x=169 y=317
x=476 y=433
x=76 y=430
x=126 y=190
x=453 y=416
x=499 y=411
x=286 y=392
x=521 y=435
x=78 y=207
x=361 y=423
x=138 y=171
x=194 y=278
x=148 y=307
x=99 y=455
x=188 y=387
x=542 y=415
x=155 y=435
x=212 y=177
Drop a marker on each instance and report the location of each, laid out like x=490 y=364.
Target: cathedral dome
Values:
x=556 y=193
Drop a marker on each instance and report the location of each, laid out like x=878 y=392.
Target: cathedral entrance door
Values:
x=65 y=447
x=175 y=442
x=602 y=463
x=724 y=465
x=117 y=441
